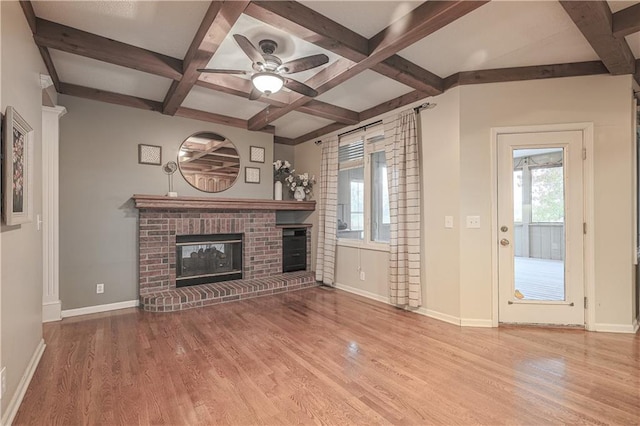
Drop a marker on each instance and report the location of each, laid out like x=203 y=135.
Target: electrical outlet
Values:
x=3 y=381
x=99 y=288
x=361 y=275
x=473 y=221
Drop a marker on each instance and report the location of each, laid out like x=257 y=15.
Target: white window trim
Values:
x=369 y=148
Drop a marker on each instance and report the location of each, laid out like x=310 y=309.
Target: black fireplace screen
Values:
x=202 y=259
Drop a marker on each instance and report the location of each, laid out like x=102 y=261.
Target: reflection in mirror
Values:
x=209 y=162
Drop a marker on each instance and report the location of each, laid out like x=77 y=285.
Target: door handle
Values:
x=504 y=242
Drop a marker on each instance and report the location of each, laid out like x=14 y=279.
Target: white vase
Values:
x=277 y=190
x=299 y=194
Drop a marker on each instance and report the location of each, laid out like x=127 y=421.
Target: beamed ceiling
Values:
x=382 y=54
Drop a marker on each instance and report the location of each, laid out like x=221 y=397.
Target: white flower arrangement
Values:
x=281 y=170
x=294 y=181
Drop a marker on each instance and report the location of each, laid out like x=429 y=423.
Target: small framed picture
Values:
x=251 y=175
x=149 y=154
x=256 y=154
x=18 y=169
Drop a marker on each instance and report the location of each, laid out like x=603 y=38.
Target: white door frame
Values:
x=589 y=261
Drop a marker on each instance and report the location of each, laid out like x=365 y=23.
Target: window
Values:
x=517 y=196
x=357 y=205
x=547 y=194
x=351 y=190
x=380 y=219
x=363 y=191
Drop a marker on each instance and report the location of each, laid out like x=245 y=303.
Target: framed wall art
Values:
x=149 y=154
x=251 y=175
x=18 y=169
x=256 y=154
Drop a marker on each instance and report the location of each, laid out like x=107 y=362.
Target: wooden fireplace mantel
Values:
x=210 y=203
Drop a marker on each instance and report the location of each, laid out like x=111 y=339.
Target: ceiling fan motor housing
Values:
x=268 y=46
x=267 y=78
x=271 y=63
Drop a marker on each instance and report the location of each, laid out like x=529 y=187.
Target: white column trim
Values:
x=51 y=305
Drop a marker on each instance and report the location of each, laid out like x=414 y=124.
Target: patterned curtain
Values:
x=328 y=221
x=403 y=173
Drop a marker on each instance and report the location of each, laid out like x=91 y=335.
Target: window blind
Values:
x=351 y=152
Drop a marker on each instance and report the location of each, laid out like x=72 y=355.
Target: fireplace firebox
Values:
x=205 y=259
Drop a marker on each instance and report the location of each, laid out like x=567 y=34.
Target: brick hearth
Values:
x=211 y=294
x=262 y=256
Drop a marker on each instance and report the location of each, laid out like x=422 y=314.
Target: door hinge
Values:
x=584 y=228
x=584 y=153
x=585 y=302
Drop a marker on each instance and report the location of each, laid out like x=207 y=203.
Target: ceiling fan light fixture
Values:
x=267 y=82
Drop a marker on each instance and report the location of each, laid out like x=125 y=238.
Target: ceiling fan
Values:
x=269 y=70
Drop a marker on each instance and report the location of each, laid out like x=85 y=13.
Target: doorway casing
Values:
x=588 y=207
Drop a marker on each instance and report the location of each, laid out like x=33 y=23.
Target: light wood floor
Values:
x=325 y=356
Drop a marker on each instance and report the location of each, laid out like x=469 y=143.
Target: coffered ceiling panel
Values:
x=503 y=34
x=364 y=91
x=634 y=43
x=617 y=5
x=367 y=18
x=100 y=75
x=221 y=103
x=295 y=124
x=632 y=39
x=444 y=39
x=165 y=27
x=230 y=56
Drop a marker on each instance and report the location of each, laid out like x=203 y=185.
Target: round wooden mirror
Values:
x=209 y=162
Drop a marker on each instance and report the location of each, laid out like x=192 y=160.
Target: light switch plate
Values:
x=448 y=222
x=473 y=221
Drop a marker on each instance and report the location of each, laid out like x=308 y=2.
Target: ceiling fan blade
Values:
x=220 y=71
x=303 y=64
x=301 y=88
x=248 y=48
x=255 y=94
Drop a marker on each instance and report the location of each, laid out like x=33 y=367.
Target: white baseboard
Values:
x=364 y=293
x=464 y=322
x=14 y=404
x=438 y=315
x=52 y=311
x=617 y=328
x=100 y=308
x=471 y=322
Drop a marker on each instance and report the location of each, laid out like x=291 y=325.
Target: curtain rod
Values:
x=426 y=105
x=375 y=123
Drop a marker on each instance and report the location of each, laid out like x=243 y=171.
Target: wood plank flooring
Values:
x=323 y=356
x=539 y=279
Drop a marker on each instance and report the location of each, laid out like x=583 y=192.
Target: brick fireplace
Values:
x=162 y=220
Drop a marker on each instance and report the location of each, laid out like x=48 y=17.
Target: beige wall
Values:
x=21 y=252
x=440 y=160
x=456 y=166
x=99 y=172
x=283 y=152
x=603 y=100
x=374 y=264
x=306 y=158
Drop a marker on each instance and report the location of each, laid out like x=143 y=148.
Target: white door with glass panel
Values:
x=540 y=228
